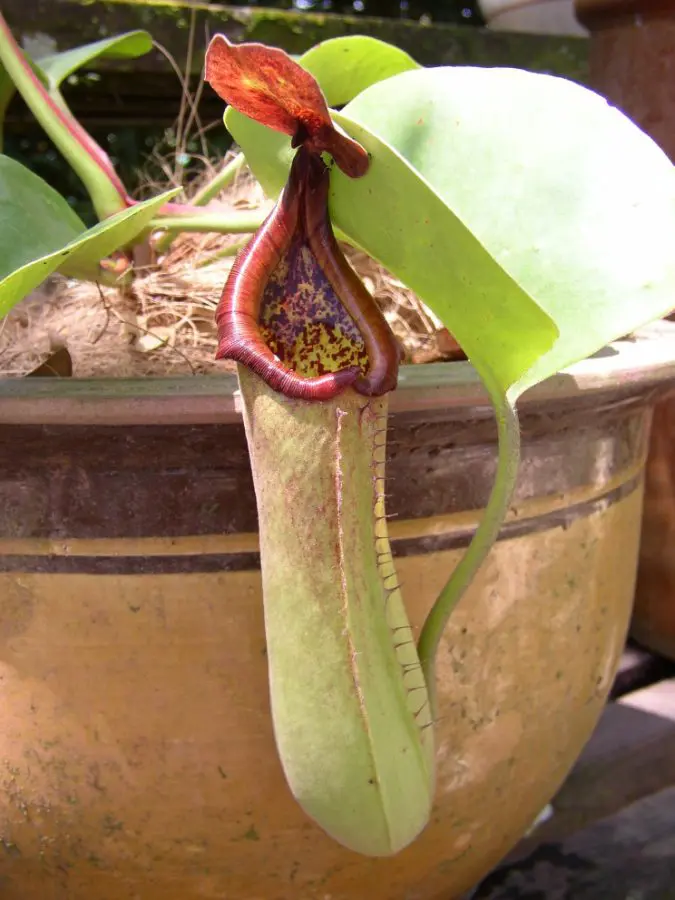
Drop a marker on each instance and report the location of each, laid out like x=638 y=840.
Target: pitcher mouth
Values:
x=295 y=312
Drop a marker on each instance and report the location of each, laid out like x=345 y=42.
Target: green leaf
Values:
x=59 y=66
x=34 y=218
x=40 y=233
x=563 y=190
x=113 y=233
x=345 y=66
x=567 y=195
x=56 y=67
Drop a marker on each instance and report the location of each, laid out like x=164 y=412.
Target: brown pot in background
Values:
x=654 y=616
x=632 y=64
x=632 y=55
x=137 y=758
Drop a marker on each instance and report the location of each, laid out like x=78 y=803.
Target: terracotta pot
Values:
x=136 y=752
x=632 y=54
x=632 y=49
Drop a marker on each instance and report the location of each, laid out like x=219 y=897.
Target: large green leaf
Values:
x=567 y=195
x=113 y=233
x=35 y=220
x=59 y=66
x=40 y=233
x=345 y=66
x=563 y=190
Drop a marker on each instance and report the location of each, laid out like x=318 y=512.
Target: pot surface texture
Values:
x=137 y=759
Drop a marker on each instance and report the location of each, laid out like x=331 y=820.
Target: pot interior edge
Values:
x=635 y=366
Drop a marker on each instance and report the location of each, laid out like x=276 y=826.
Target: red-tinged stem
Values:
x=94 y=152
x=99 y=156
x=52 y=111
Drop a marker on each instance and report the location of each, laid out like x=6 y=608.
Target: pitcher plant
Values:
x=537 y=223
x=352 y=690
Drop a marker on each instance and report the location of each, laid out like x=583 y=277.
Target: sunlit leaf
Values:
x=40 y=233
x=121 y=230
x=345 y=66
x=59 y=66
x=563 y=190
x=564 y=193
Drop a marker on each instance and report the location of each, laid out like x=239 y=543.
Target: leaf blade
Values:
x=31 y=211
x=572 y=199
x=40 y=233
x=57 y=67
x=346 y=66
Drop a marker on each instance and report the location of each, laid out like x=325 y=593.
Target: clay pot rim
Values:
x=629 y=367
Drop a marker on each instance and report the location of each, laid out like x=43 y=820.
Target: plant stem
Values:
x=81 y=151
x=222 y=179
x=211 y=189
x=232 y=250
x=485 y=536
x=216 y=222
